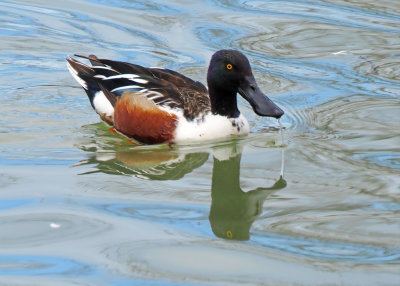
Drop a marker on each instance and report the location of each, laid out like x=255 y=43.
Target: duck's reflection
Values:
x=114 y=155
x=233 y=211
x=148 y=164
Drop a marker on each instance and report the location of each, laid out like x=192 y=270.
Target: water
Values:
x=82 y=206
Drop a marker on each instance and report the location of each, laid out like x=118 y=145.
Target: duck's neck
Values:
x=224 y=102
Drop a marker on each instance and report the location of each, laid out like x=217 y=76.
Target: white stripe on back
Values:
x=139 y=80
x=126 y=76
x=126 y=87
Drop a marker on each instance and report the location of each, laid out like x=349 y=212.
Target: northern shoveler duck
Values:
x=156 y=105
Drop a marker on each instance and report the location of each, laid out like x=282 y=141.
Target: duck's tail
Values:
x=88 y=77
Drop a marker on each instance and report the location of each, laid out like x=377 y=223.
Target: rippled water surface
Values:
x=80 y=205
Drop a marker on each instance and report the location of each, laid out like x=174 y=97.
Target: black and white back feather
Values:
x=164 y=87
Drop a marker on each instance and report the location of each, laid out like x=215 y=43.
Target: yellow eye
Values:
x=229 y=234
x=229 y=66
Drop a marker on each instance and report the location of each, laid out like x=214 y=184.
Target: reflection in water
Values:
x=233 y=211
x=333 y=65
x=147 y=164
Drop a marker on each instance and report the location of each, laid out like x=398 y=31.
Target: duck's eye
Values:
x=229 y=66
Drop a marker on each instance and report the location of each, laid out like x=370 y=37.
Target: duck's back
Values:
x=142 y=103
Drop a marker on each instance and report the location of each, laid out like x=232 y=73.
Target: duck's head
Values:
x=230 y=73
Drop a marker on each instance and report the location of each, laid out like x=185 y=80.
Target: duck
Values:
x=153 y=105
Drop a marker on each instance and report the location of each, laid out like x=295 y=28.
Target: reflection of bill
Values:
x=232 y=210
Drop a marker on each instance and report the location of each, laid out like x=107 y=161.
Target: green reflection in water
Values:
x=233 y=211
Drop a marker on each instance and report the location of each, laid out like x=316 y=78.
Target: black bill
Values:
x=261 y=104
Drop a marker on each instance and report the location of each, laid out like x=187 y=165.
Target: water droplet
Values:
x=283 y=149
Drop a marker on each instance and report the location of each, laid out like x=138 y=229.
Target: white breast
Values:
x=211 y=127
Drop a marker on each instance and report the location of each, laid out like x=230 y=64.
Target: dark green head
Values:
x=230 y=73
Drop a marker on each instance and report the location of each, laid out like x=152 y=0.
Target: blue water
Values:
x=80 y=205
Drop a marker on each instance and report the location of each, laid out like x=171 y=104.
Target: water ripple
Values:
x=326 y=250
x=10 y=204
x=333 y=67
x=28 y=265
x=158 y=212
x=341 y=230
x=141 y=5
x=329 y=13
x=36 y=229
x=233 y=263
x=386 y=159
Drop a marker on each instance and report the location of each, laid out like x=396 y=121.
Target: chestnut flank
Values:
x=137 y=117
